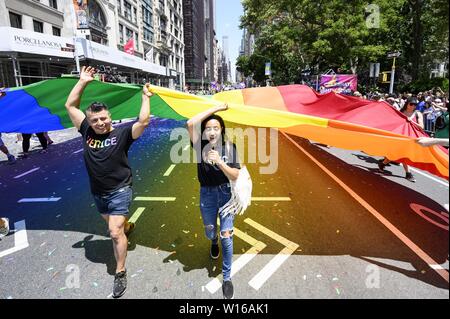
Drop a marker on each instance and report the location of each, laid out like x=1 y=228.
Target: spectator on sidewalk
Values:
x=4 y=149
x=49 y=140
x=26 y=143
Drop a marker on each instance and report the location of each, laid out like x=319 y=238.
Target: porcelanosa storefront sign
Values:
x=18 y=40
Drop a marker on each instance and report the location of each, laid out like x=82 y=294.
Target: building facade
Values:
x=246 y=49
x=39 y=37
x=200 y=43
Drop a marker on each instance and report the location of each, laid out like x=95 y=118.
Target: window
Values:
x=163 y=24
x=136 y=40
x=127 y=10
x=129 y=34
x=15 y=20
x=163 y=60
x=53 y=4
x=147 y=17
x=56 y=31
x=121 y=32
x=148 y=35
x=38 y=26
x=135 y=15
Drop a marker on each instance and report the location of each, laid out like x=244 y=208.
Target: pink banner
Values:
x=338 y=83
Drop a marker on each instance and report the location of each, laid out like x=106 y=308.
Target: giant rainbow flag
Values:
x=333 y=119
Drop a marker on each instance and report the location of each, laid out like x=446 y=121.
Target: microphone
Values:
x=212 y=162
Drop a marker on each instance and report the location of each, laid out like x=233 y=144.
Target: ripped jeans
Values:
x=211 y=199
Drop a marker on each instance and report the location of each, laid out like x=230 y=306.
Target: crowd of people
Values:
x=431 y=106
x=429 y=110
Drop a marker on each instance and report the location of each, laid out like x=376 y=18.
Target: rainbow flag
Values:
x=333 y=119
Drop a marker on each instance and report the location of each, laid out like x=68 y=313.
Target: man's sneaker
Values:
x=130 y=229
x=228 y=290
x=43 y=151
x=11 y=159
x=410 y=177
x=120 y=284
x=214 y=251
x=4 y=227
x=381 y=165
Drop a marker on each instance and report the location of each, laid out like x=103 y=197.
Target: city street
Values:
x=327 y=224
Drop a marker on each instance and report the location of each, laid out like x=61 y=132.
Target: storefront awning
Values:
x=19 y=40
x=96 y=51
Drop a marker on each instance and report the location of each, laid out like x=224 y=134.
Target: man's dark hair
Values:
x=97 y=107
x=219 y=119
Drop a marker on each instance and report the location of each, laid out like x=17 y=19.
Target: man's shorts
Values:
x=115 y=203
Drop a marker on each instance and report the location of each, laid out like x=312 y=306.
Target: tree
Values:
x=319 y=35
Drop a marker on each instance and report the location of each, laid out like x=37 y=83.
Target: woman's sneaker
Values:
x=120 y=284
x=214 y=251
x=228 y=290
x=410 y=177
x=381 y=165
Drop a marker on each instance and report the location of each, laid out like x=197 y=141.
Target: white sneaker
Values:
x=4 y=229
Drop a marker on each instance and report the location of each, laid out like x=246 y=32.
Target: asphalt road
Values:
x=304 y=236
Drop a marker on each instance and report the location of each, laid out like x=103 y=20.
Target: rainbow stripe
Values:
x=333 y=119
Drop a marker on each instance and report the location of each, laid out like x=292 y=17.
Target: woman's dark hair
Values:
x=412 y=101
x=221 y=122
x=96 y=107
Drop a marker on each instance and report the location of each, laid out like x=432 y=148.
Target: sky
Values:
x=228 y=13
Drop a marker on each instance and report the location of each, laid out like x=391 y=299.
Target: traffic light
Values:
x=385 y=77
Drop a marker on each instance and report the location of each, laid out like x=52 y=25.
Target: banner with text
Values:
x=338 y=83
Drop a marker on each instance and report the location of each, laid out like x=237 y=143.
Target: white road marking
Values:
x=80 y=150
x=430 y=177
x=136 y=214
x=261 y=277
x=39 y=200
x=20 y=239
x=239 y=263
x=27 y=172
x=156 y=199
x=437 y=267
x=169 y=170
x=268 y=199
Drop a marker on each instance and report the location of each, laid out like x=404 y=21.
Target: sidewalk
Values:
x=15 y=147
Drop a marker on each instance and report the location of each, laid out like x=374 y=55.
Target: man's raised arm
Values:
x=73 y=101
x=144 y=115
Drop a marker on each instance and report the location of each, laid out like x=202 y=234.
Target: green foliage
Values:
x=347 y=35
x=426 y=84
